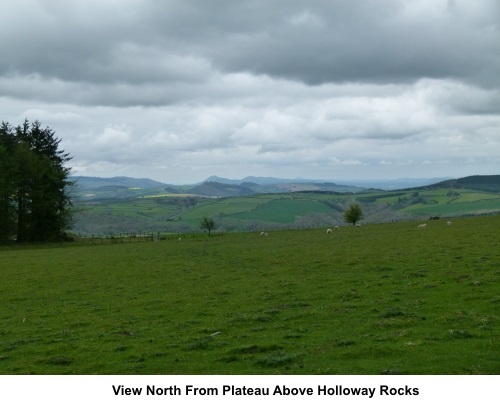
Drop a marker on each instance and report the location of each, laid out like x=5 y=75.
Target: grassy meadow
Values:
x=380 y=299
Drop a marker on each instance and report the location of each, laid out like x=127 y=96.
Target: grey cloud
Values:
x=317 y=42
x=345 y=41
x=458 y=98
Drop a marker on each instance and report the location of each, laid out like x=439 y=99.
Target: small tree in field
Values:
x=353 y=214
x=208 y=224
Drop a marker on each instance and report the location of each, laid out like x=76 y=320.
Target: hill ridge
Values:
x=490 y=183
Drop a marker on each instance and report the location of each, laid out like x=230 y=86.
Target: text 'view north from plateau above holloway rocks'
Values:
x=278 y=390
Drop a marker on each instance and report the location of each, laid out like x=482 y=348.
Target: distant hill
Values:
x=340 y=186
x=490 y=183
x=215 y=189
x=122 y=187
x=395 y=184
x=277 y=185
x=125 y=187
x=92 y=183
x=256 y=180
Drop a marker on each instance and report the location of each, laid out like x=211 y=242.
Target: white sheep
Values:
x=328 y=231
x=422 y=226
x=263 y=234
x=336 y=227
x=448 y=223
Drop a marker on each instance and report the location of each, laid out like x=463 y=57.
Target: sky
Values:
x=179 y=90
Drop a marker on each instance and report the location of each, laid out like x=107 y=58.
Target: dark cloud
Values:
x=371 y=41
x=314 y=42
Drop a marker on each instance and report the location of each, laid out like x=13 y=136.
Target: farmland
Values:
x=182 y=213
x=385 y=298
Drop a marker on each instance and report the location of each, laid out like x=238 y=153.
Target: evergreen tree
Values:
x=34 y=200
x=7 y=216
x=7 y=183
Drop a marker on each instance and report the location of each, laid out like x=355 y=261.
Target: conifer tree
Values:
x=34 y=200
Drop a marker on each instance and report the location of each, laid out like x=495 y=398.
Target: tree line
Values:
x=34 y=184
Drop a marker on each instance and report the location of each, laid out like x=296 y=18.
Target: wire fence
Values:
x=139 y=237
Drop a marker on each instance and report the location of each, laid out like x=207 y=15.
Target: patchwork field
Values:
x=183 y=213
x=380 y=299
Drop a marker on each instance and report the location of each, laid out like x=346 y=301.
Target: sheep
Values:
x=328 y=231
x=358 y=225
x=263 y=234
x=336 y=227
x=448 y=223
x=422 y=226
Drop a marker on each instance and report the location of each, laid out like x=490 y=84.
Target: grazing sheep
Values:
x=263 y=234
x=328 y=230
x=448 y=223
x=422 y=226
x=358 y=225
x=336 y=227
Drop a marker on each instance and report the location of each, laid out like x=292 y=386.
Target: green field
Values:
x=183 y=213
x=284 y=210
x=380 y=299
x=233 y=213
x=225 y=207
x=447 y=203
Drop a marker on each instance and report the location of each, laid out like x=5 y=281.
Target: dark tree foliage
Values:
x=353 y=214
x=34 y=201
x=208 y=224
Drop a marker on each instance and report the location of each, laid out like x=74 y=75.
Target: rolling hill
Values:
x=118 y=209
x=481 y=183
x=92 y=183
x=215 y=189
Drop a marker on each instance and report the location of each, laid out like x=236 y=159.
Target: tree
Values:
x=7 y=191
x=208 y=224
x=353 y=214
x=34 y=184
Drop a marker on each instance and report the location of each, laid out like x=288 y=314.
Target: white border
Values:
x=85 y=390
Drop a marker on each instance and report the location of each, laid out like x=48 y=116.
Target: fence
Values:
x=139 y=237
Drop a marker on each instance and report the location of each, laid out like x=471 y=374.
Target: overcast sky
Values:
x=178 y=90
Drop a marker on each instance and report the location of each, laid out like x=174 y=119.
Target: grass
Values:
x=284 y=211
x=381 y=299
x=458 y=208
